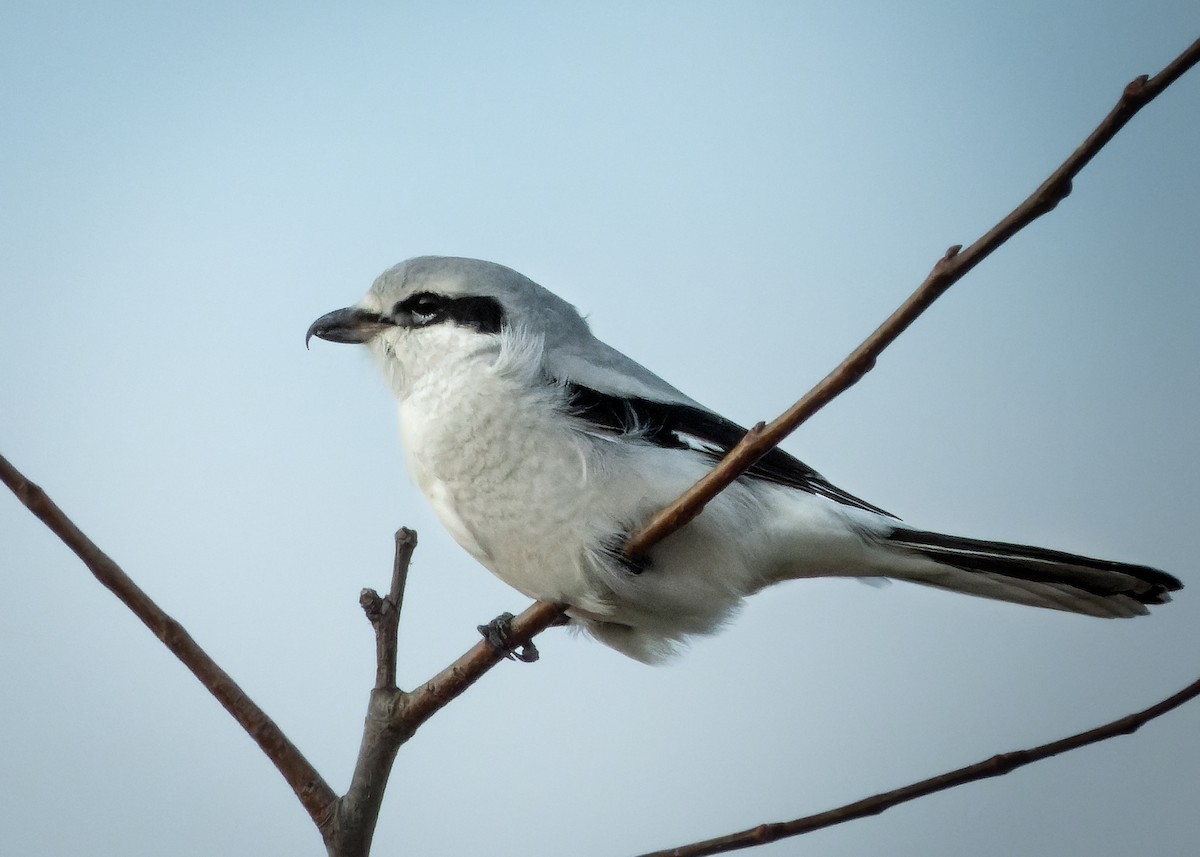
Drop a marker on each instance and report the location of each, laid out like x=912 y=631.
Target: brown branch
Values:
x=948 y=270
x=313 y=792
x=393 y=715
x=350 y=827
x=993 y=767
x=441 y=689
x=424 y=702
x=384 y=613
x=347 y=824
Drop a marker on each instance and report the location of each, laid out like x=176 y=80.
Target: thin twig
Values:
x=425 y=701
x=312 y=790
x=350 y=828
x=993 y=767
x=394 y=716
x=384 y=613
x=948 y=270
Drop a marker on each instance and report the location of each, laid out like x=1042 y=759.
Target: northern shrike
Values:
x=541 y=449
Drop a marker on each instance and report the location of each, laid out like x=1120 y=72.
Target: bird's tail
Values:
x=1031 y=575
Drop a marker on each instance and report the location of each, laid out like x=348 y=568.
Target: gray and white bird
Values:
x=541 y=448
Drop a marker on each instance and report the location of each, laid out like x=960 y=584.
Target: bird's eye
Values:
x=424 y=308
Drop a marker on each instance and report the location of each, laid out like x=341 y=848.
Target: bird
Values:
x=541 y=449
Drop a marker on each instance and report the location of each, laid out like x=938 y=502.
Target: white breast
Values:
x=506 y=476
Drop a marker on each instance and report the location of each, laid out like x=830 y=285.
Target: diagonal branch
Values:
x=394 y=715
x=314 y=793
x=452 y=681
x=440 y=690
x=447 y=685
x=993 y=767
x=948 y=270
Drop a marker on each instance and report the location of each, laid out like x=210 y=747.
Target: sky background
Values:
x=735 y=194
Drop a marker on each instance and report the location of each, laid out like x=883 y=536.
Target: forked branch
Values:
x=349 y=827
x=394 y=715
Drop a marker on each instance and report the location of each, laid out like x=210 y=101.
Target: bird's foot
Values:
x=498 y=632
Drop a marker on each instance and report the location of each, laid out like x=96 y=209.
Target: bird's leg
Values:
x=498 y=633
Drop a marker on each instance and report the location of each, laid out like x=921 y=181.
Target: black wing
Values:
x=677 y=426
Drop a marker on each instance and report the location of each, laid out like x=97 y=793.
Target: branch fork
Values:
x=347 y=823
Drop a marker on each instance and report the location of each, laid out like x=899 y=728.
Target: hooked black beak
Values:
x=347 y=325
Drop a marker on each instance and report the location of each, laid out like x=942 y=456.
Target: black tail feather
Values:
x=1042 y=565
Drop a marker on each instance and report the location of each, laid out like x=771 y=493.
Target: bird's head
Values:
x=422 y=312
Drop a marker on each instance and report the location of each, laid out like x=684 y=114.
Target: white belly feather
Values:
x=526 y=514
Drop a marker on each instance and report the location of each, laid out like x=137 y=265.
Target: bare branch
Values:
x=314 y=793
x=422 y=703
x=948 y=270
x=384 y=613
x=393 y=715
x=347 y=824
x=993 y=767
x=350 y=828
x=437 y=692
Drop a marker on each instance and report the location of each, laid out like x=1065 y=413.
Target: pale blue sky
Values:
x=735 y=194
